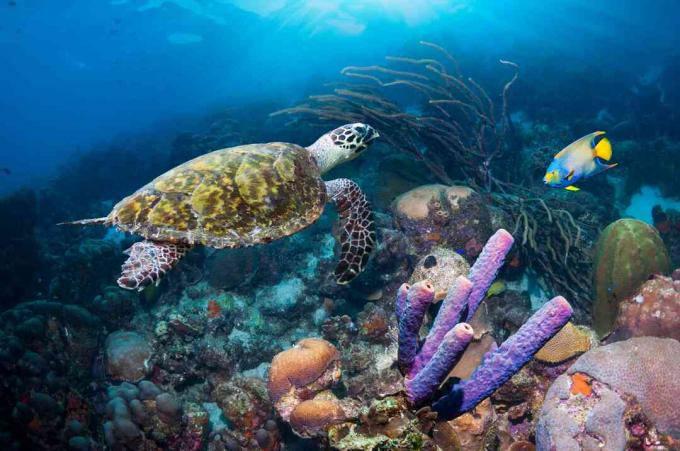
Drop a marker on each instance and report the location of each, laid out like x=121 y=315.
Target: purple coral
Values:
x=424 y=370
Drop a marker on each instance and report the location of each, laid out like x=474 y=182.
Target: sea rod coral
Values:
x=426 y=369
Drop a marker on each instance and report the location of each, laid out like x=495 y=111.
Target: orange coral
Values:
x=569 y=342
x=310 y=418
x=299 y=373
x=214 y=309
x=580 y=384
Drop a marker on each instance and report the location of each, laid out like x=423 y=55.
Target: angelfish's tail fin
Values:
x=86 y=221
x=602 y=147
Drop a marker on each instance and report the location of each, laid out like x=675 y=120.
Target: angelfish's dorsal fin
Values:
x=601 y=146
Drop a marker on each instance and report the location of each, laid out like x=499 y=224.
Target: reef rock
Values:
x=654 y=311
x=127 y=356
x=453 y=216
x=614 y=397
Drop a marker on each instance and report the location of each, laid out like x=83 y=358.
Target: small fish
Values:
x=495 y=289
x=581 y=159
x=6 y=171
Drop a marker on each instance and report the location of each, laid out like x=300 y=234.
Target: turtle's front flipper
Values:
x=148 y=261
x=357 y=237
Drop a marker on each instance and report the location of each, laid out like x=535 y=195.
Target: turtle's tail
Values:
x=86 y=221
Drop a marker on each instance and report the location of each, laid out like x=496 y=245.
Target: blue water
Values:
x=76 y=72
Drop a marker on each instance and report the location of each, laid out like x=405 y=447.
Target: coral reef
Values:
x=621 y=396
x=471 y=358
x=244 y=403
x=142 y=416
x=653 y=311
x=46 y=354
x=627 y=253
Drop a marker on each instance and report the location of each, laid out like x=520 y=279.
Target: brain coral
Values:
x=300 y=372
x=570 y=341
x=588 y=406
x=127 y=356
x=311 y=417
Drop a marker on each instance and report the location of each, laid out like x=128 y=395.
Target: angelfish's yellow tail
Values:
x=602 y=147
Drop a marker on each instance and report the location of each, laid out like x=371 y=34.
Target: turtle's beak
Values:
x=371 y=134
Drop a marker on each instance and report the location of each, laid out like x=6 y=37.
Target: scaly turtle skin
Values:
x=242 y=196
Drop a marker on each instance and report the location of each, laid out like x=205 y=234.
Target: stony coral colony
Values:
x=491 y=315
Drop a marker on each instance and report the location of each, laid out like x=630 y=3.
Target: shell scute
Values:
x=182 y=180
x=173 y=211
x=137 y=207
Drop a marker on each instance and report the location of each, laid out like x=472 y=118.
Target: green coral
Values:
x=627 y=253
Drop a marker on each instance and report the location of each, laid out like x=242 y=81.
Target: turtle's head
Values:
x=342 y=144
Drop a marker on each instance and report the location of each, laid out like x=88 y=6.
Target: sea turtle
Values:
x=242 y=196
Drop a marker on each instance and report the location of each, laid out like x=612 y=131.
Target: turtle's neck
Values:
x=326 y=154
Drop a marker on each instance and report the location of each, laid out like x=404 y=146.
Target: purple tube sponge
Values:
x=418 y=299
x=486 y=267
x=402 y=294
x=499 y=366
x=449 y=315
x=448 y=338
x=425 y=382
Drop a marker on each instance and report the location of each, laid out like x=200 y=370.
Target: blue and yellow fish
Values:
x=581 y=159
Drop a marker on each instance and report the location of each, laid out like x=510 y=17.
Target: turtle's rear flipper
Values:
x=357 y=237
x=148 y=261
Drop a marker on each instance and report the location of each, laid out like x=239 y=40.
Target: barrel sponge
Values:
x=628 y=252
x=645 y=367
x=415 y=204
x=569 y=342
x=310 y=418
x=300 y=365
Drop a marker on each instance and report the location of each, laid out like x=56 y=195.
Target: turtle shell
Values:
x=228 y=198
